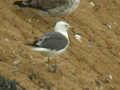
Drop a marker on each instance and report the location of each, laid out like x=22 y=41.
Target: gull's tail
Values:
x=39 y=49
x=21 y=4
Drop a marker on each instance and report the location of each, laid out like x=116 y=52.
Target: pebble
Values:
x=97 y=82
x=78 y=37
x=108 y=26
x=110 y=76
x=92 y=4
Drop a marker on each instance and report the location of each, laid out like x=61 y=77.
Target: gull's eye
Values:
x=66 y=25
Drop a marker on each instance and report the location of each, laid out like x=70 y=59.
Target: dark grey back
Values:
x=52 y=40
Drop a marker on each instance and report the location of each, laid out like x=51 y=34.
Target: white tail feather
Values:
x=39 y=49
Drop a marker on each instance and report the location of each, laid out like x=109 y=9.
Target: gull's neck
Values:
x=63 y=32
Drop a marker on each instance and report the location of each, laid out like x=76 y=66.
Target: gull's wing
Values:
x=47 y=4
x=52 y=40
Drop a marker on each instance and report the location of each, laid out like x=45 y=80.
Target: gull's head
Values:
x=61 y=26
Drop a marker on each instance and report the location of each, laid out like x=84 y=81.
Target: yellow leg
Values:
x=48 y=64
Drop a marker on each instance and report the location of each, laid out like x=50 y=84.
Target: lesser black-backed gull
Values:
x=53 y=43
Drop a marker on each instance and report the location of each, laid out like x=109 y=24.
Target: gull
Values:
x=53 y=43
x=58 y=8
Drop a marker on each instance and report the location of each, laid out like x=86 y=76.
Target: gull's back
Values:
x=59 y=8
x=52 y=41
x=49 y=4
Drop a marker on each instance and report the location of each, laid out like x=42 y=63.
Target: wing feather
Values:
x=52 y=40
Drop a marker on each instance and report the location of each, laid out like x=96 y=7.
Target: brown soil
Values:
x=86 y=65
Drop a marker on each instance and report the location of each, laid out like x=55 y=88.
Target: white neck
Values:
x=63 y=32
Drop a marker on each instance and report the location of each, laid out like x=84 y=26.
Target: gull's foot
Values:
x=52 y=68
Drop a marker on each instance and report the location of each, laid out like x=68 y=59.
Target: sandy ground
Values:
x=93 y=63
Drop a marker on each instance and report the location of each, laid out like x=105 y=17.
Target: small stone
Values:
x=108 y=26
x=78 y=37
x=92 y=4
x=16 y=62
x=110 y=76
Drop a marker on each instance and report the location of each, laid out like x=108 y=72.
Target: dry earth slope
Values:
x=93 y=63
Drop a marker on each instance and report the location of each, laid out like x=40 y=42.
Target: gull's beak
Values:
x=70 y=27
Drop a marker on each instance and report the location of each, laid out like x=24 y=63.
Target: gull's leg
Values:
x=55 y=66
x=48 y=64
